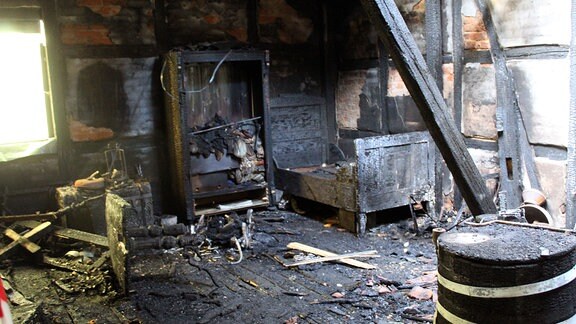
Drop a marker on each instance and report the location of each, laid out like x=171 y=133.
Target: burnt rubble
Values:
x=222 y=273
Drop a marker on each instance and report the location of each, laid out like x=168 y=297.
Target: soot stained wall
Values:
x=325 y=50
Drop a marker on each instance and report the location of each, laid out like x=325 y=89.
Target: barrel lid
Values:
x=501 y=243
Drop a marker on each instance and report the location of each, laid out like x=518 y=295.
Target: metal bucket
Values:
x=537 y=214
x=506 y=274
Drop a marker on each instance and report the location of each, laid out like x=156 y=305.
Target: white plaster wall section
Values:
x=479 y=101
x=469 y=8
x=532 y=22
x=544 y=98
x=447 y=23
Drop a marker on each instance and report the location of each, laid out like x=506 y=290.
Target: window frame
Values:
x=21 y=19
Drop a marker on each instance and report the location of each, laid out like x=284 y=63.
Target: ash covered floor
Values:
x=201 y=285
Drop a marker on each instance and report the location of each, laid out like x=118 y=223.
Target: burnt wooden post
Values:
x=433 y=24
x=393 y=31
x=458 y=66
x=513 y=146
x=571 y=172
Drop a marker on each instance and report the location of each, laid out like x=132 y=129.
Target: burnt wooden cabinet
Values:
x=219 y=143
x=375 y=174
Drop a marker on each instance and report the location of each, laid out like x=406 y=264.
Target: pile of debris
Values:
x=240 y=140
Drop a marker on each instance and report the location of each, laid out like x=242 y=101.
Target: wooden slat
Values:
x=36 y=217
x=310 y=249
x=35 y=233
x=365 y=254
x=393 y=31
x=70 y=233
x=26 y=243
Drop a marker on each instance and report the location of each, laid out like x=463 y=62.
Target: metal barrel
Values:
x=501 y=273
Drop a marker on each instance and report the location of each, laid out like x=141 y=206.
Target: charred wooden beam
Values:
x=537 y=52
x=458 y=59
x=331 y=67
x=433 y=23
x=383 y=75
x=393 y=31
x=161 y=26
x=56 y=73
x=571 y=172
x=252 y=21
x=458 y=68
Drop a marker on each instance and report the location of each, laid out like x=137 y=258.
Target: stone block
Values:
x=543 y=101
x=524 y=23
x=479 y=101
x=552 y=176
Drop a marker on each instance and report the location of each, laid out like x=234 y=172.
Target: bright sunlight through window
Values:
x=23 y=114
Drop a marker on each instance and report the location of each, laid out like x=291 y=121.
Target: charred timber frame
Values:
x=571 y=163
x=458 y=66
x=433 y=24
x=513 y=145
x=394 y=33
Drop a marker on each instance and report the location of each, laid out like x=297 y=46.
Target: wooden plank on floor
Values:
x=34 y=234
x=320 y=252
x=26 y=243
x=69 y=233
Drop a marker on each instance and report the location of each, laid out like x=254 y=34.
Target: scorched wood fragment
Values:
x=393 y=31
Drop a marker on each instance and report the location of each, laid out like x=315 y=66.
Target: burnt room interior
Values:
x=288 y=161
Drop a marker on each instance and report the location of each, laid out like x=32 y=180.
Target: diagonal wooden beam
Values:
x=394 y=33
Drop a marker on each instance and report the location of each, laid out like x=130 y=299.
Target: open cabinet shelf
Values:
x=218 y=130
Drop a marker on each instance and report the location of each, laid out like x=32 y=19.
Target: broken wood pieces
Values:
x=365 y=254
x=34 y=234
x=346 y=259
x=26 y=243
x=50 y=215
x=69 y=233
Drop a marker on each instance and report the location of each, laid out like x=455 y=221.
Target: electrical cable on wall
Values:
x=210 y=81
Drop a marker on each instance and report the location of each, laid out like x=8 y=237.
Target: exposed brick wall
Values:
x=131 y=100
x=105 y=8
x=280 y=22
x=396 y=86
x=77 y=34
x=106 y=22
x=197 y=21
x=553 y=184
x=479 y=101
x=350 y=84
x=80 y=132
x=474 y=32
